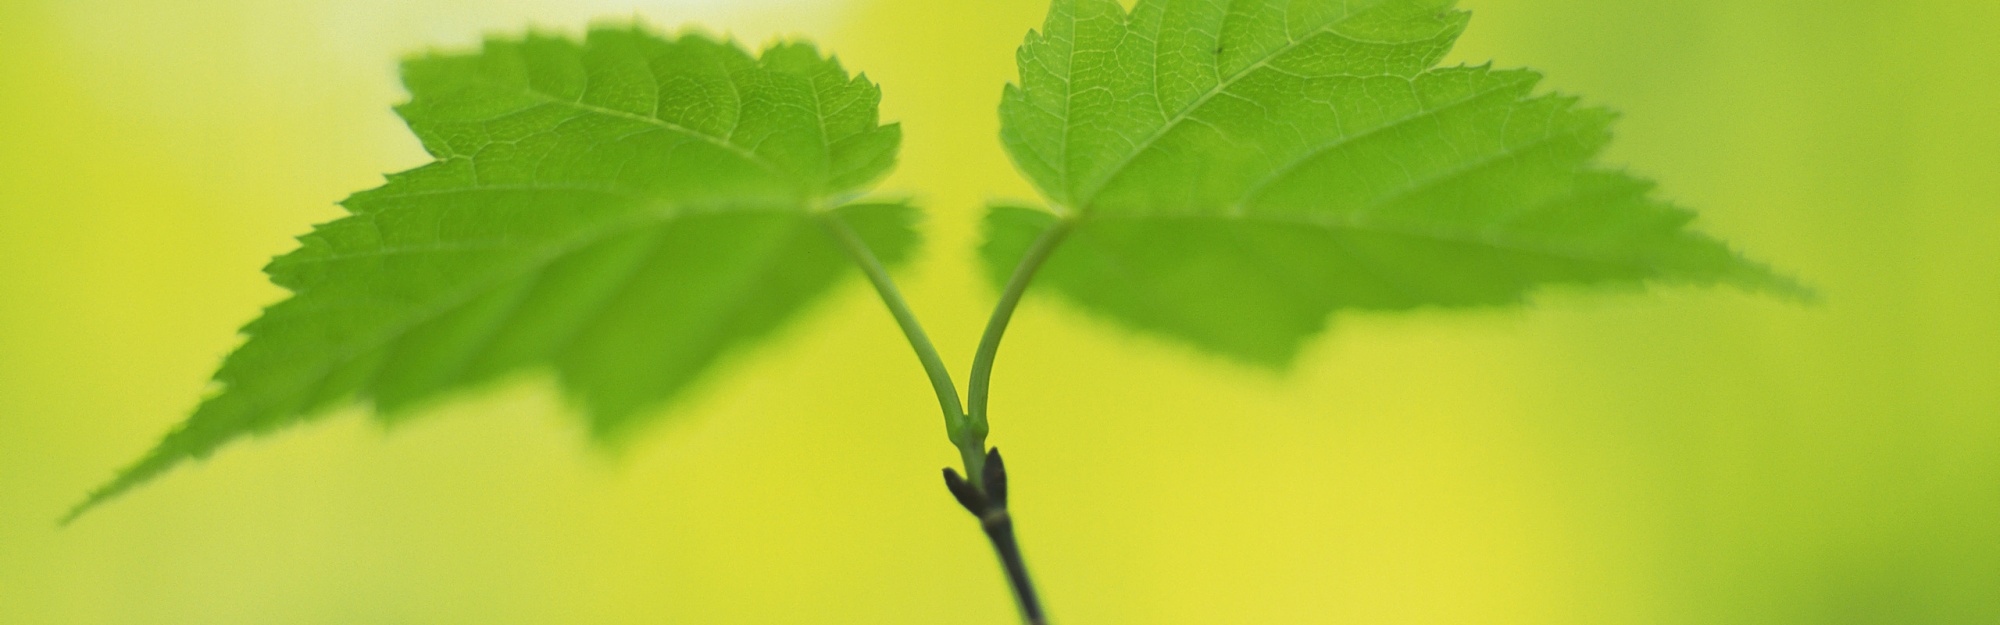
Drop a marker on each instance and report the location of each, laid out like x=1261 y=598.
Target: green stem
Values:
x=996 y=327
x=969 y=437
x=985 y=495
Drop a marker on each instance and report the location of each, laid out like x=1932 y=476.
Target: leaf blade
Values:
x=1307 y=157
x=625 y=212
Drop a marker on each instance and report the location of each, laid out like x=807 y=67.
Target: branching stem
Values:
x=984 y=494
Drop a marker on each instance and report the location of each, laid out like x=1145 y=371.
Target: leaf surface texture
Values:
x=1240 y=169
x=624 y=211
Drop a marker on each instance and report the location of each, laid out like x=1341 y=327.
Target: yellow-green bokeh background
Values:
x=1680 y=457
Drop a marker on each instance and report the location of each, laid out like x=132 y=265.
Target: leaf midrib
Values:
x=579 y=105
x=1251 y=193
x=553 y=252
x=1183 y=114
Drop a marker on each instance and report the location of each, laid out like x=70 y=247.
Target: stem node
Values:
x=988 y=503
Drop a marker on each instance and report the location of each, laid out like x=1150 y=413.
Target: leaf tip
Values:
x=1768 y=281
x=147 y=468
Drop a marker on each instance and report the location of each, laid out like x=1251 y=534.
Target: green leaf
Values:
x=1239 y=170
x=624 y=212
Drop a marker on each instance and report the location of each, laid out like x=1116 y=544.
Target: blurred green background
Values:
x=1679 y=457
